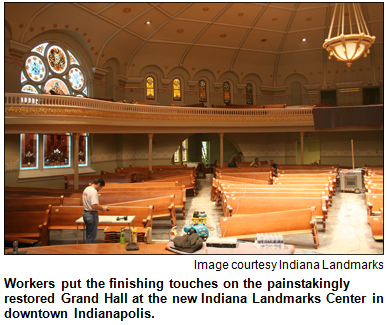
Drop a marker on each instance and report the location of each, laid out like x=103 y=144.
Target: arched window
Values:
x=150 y=88
x=176 y=89
x=53 y=69
x=226 y=93
x=202 y=91
x=249 y=94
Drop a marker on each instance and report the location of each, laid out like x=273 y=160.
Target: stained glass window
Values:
x=249 y=94
x=52 y=69
x=29 y=150
x=184 y=146
x=83 y=149
x=176 y=90
x=176 y=156
x=226 y=93
x=57 y=150
x=150 y=88
x=202 y=91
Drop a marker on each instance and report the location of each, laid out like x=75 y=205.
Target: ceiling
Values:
x=221 y=37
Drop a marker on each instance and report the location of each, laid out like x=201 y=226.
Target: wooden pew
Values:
x=64 y=217
x=162 y=207
x=23 y=225
x=376 y=224
x=244 y=169
x=375 y=190
x=250 y=193
x=188 y=181
x=141 y=174
x=179 y=193
x=38 y=203
x=374 y=204
x=247 y=205
x=288 y=222
x=306 y=171
x=241 y=180
x=109 y=186
x=39 y=191
x=298 y=183
x=85 y=180
x=264 y=176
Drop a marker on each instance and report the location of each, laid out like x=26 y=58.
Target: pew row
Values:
x=374 y=204
x=253 y=205
x=288 y=222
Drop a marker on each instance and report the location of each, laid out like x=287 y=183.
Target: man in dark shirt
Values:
x=274 y=165
x=234 y=161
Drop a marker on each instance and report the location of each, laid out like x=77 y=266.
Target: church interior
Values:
x=146 y=93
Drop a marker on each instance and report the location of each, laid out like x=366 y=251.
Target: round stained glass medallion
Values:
x=57 y=59
x=76 y=78
x=35 y=68
x=56 y=87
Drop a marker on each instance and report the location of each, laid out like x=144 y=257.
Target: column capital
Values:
x=76 y=136
x=150 y=135
x=302 y=133
x=221 y=135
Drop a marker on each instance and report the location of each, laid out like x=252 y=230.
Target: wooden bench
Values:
x=374 y=204
x=85 y=180
x=179 y=193
x=264 y=176
x=64 y=217
x=306 y=171
x=162 y=207
x=237 y=193
x=375 y=190
x=305 y=181
x=241 y=180
x=288 y=222
x=188 y=181
x=244 y=169
x=109 y=186
x=254 y=205
x=376 y=224
x=39 y=191
x=26 y=204
x=133 y=176
x=23 y=225
x=141 y=174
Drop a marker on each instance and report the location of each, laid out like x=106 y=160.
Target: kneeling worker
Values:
x=90 y=208
x=234 y=161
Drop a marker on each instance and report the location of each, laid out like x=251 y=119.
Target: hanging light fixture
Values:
x=348 y=47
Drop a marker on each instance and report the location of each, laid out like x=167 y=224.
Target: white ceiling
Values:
x=220 y=37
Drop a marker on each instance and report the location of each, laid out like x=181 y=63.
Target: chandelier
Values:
x=348 y=47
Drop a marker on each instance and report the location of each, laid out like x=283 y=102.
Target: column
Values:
x=302 y=148
x=221 y=149
x=75 y=158
x=150 y=136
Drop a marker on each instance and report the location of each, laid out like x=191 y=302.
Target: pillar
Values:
x=302 y=148
x=75 y=159
x=150 y=136
x=221 y=149
x=181 y=153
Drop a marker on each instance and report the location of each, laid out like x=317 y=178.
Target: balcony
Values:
x=46 y=113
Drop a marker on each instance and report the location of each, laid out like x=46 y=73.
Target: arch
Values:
x=206 y=74
x=296 y=77
x=296 y=93
x=179 y=71
x=71 y=38
x=7 y=31
x=156 y=70
x=229 y=75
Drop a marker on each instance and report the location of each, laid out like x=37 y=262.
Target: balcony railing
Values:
x=34 y=100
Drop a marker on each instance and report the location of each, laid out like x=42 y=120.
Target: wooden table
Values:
x=110 y=248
